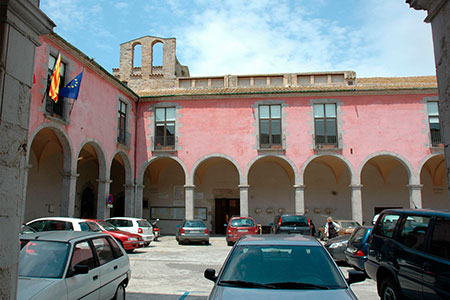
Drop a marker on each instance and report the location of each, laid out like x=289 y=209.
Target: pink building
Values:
x=170 y=146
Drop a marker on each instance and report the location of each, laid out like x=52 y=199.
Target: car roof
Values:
x=279 y=239
x=67 y=219
x=427 y=212
x=125 y=218
x=61 y=235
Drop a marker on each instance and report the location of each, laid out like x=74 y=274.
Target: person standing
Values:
x=331 y=228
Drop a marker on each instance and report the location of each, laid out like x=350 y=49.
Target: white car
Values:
x=71 y=265
x=62 y=223
x=134 y=225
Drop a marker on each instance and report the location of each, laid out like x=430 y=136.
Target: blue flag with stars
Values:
x=72 y=88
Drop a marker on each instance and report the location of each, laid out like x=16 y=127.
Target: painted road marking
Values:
x=184 y=296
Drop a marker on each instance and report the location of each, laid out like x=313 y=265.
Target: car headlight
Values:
x=340 y=244
x=132 y=239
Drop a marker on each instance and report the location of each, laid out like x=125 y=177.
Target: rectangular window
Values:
x=164 y=128
x=387 y=225
x=325 y=124
x=122 y=126
x=433 y=120
x=270 y=126
x=440 y=240
x=56 y=109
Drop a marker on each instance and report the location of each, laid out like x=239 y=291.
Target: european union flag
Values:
x=72 y=88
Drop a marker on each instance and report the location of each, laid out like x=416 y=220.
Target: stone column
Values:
x=139 y=198
x=415 y=195
x=129 y=199
x=299 y=199
x=357 y=212
x=102 y=197
x=243 y=189
x=21 y=24
x=68 y=193
x=189 y=202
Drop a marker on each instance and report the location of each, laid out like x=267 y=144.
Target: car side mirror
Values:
x=178 y=226
x=80 y=269
x=210 y=274
x=355 y=276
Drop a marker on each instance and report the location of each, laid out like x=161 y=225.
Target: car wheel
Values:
x=180 y=243
x=120 y=292
x=230 y=243
x=389 y=290
x=207 y=242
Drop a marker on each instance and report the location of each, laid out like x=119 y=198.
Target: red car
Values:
x=239 y=226
x=128 y=240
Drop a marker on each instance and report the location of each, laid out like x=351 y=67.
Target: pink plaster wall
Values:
x=94 y=114
x=368 y=124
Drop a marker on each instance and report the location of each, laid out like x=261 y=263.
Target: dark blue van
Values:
x=357 y=247
x=409 y=254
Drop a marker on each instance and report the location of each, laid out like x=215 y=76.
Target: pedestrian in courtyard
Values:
x=331 y=228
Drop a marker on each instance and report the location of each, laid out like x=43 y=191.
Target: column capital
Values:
x=243 y=186
x=299 y=186
x=141 y=186
x=355 y=186
x=415 y=186
x=129 y=185
x=69 y=175
x=187 y=186
x=104 y=180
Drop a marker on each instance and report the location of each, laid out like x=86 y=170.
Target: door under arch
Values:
x=88 y=204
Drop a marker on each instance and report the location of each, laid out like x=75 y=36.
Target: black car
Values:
x=288 y=223
x=336 y=247
x=409 y=254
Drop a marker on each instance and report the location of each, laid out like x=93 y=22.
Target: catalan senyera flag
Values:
x=56 y=76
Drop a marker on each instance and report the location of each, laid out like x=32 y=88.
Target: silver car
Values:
x=280 y=267
x=192 y=231
x=71 y=265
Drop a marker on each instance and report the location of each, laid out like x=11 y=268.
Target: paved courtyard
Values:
x=168 y=271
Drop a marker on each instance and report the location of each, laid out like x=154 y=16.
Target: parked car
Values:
x=409 y=254
x=62 y=223
x=134 y=225
x=336 y=247
x=239 y=226
x=192 y=231
x=71 y=265
x=26 y=229
x=289 y=223
x=357 y=248
x=129 y=241
x=280 y=267
x=347 y=227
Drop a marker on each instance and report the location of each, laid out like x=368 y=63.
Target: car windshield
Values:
x=294 y=221
x=144 y=223
x=282 y=267
x=107 y=226
x=242 y=223
x=349 y=224
x=42 y=258
x=194 y=224
x=357 y=236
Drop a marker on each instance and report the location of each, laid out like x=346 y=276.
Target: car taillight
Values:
x=279 y=222
x=359 y=253
x=155 y=229
x=256 y=230
x=309 y=222
x=230 y=231
x=182 y=230
x=140 y=230
x=206 y=230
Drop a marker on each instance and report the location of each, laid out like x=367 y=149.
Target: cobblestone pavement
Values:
x=168 y=271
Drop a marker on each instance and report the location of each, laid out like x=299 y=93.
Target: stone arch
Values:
x=127 y=165
x=63 y=138
x=409 y=169
x=433 y=184
x=136 y=57
x=293 y=176
x=206 y=157
x=100 y=152
x=140 y=177
x=157 y=53
x=340 y=157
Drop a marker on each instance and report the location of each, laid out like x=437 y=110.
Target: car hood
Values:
x=30 y=287
x=224 y=293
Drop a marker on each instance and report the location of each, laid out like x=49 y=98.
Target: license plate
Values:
x=194 y=231
x=242 y=230
x=141 y=243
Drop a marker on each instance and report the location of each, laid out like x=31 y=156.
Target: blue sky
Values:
x=371 y=37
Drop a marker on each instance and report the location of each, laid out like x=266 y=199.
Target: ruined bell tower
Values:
x=149 y=76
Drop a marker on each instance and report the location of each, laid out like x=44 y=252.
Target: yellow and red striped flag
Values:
x=54 y=85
